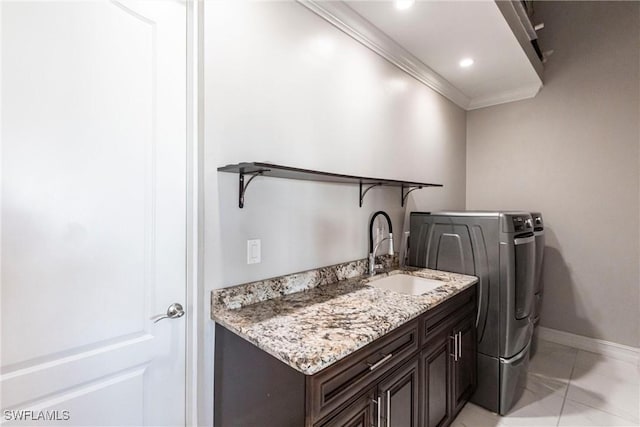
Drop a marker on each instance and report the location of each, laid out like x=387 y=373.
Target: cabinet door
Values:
x=436 y=370
x=464 y=372
x=358 y=414
x=399 y=396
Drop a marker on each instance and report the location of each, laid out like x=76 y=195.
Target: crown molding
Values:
x=354 y=25
x=504 y=97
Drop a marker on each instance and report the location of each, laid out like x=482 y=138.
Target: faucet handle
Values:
x=373 y=267
x=372 y=262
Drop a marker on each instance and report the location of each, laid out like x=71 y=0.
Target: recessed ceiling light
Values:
x=404 y=4
x=466 y=62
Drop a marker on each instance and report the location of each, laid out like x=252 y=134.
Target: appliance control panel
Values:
x=538 y=223
x=522 y=223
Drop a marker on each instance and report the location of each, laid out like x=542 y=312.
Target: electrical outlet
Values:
x=253 y=251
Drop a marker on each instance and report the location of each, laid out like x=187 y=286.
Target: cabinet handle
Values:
x=460 y=345
x=373 y=366
x=388 y=408
x=455 y=347
x=377 y=402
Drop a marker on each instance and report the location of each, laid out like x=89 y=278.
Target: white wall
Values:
x=584 y=175
x=284 y=86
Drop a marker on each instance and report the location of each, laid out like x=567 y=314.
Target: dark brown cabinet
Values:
x=419 y=375
x=399 y=397
x=464 y=366
x=436 y=367
x=331 y=388
x=393 y=402
x=448 y=363
x=358 y=414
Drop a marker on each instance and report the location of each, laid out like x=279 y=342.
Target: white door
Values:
x=93 y=212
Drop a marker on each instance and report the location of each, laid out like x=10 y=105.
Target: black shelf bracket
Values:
x=243 y=187
x=367 y=189
x=253 y=169
x=404 y=195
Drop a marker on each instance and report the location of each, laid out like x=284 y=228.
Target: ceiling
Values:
x=431 y=38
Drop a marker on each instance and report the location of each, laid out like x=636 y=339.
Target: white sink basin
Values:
x=406 y=284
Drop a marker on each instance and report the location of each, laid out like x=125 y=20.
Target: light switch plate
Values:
x=253 y=251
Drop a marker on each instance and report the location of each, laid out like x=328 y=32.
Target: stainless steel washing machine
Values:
x=498 y=248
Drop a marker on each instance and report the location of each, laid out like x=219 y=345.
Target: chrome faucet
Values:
x=372 y=249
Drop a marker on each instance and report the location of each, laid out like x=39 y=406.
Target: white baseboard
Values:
x=605 y=348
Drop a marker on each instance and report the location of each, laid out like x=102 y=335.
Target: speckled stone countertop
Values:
x=309 y=321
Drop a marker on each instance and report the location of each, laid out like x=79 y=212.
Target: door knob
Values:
x=174 y=311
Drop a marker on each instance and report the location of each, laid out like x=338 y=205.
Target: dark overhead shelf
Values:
x=254 y=169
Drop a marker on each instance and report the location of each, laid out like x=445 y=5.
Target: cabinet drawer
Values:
x=447 y=314
x=335 y=385
x=358 y=413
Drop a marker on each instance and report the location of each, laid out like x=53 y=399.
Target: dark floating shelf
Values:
x=254 y=169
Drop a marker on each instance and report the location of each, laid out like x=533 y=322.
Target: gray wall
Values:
x=284 y=86
x=582 y=134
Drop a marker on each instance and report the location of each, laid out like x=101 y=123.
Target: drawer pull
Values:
x=373 y=366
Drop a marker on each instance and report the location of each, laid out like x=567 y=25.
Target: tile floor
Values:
x=569 y=387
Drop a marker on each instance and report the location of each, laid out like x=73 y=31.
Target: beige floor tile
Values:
x=540 y=404
x=553 y=361
x=475 y=416
x=608 y=394
x=561 y=352
x=576 y=414
x=606 y=384
x=568 y=387
x=592 y=363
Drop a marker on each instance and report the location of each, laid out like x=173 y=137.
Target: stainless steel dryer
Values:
x=498 y=248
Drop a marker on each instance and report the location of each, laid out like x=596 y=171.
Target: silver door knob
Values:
x=174 y=311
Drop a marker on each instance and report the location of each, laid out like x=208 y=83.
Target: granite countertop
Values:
x=311 y=320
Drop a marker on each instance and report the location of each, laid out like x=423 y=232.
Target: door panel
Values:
x=465 y=368
x=437 y=382
x=515 y=332
x=113 y=395
x=399 y=394
x=539 y=236
x=359 y=414
x=525 y=259
x=73 y=181
x=93 y=209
